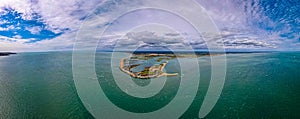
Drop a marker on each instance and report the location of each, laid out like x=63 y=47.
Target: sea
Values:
x=257 y=85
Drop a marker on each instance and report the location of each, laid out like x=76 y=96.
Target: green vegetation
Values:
x=153 y=71
x=162 y=58
x=146 y=72
x=133 y=66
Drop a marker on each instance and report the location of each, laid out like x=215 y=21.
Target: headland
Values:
x=6 y=53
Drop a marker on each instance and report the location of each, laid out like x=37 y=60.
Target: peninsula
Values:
x=146 y=65
x=6 y=53
x=154 y=71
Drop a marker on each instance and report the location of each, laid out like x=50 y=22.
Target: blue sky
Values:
x=40 y=25
x=19 y=28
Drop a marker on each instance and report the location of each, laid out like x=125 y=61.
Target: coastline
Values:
x=164 y=73
x=158 y=69
x=6 y=53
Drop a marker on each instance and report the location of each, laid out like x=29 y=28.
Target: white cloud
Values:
x=69 y=14
x=22 y=6
x=225 y=13
x=34 y=30
x=57 y=15
x=152 y=40
x=13 y=44
x=7 y=28
x=17 y=37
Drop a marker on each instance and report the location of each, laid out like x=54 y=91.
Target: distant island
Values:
x=146 y=65
x=148 y=71
x=6 y=53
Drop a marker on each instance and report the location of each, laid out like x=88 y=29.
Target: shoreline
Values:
x=6 y=53
x=158 y=69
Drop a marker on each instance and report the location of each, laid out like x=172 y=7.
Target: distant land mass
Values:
x=151 y=64
x=204 y=52
x=196 y=52
x=6 y=53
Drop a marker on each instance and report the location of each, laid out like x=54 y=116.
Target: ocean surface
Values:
x=258 y=85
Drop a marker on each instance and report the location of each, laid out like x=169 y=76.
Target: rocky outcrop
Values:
x=6 y=53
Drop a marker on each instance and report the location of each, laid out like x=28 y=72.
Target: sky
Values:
x=46 y=25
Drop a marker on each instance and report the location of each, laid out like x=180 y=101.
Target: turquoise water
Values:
x=258 y=85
